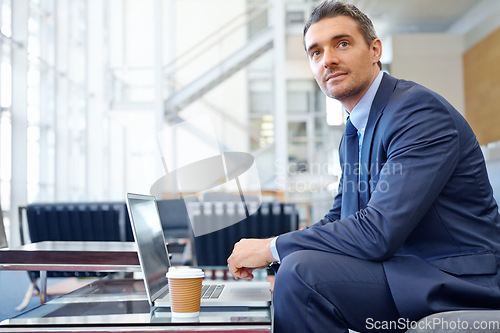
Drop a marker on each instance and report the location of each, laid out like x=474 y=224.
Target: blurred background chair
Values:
x=271 y=219
x=78 y=221
x=177 y=230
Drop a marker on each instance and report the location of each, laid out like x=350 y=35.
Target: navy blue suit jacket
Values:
x=427 y=208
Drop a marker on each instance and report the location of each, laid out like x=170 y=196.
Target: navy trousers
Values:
x=323 y=292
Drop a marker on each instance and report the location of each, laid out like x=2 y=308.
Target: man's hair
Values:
x=329 y=9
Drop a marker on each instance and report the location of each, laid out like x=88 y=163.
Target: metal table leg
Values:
x=43 y=287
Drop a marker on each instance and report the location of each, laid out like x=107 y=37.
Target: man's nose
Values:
x=330 y=59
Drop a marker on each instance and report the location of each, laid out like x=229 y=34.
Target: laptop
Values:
x=154 y=259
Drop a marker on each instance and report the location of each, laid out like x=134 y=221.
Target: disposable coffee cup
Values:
x=184 y=285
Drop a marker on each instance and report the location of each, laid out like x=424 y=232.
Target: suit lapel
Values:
x=384 y=92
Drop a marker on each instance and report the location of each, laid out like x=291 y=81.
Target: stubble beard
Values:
x=343 y=94
x=340 y=94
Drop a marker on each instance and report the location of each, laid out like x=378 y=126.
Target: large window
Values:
x=41 y=101
x=77 y=100
x=51 y=101
x=5 y=106
x=44 y=77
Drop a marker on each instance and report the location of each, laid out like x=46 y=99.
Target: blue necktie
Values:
x=350 y=195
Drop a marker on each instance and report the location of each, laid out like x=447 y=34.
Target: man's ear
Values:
x=376 y=48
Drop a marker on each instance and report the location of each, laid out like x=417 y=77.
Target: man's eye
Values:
x=315 y=54
x=343 y=44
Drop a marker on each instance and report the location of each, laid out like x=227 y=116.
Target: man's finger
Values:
x=245 y=273
x=232 y=268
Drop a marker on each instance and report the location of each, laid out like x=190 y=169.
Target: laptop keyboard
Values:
x=212 y=290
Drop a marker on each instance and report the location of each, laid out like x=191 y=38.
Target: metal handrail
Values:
x=213 y=35
x=214 y=39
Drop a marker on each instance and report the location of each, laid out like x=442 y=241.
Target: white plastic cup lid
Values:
x=183 y=272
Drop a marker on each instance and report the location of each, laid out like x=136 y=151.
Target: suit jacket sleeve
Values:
x=421 y=144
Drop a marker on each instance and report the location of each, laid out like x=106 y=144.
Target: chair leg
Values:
x=32 y=288
x=27 y=297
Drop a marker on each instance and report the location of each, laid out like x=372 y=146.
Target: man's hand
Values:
x=249 y=254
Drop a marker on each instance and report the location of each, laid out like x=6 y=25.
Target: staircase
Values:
x=128 y=80
x=217 y=74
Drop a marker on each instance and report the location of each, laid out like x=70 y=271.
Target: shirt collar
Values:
x=359 y=115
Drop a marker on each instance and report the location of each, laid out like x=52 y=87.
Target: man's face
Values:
x=342 y=63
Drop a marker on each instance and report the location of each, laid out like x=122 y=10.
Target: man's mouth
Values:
x=335 y=75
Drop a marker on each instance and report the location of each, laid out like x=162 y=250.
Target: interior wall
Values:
x=433 y=60
x=482 y=87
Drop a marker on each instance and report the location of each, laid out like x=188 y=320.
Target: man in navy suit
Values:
x=419 y=234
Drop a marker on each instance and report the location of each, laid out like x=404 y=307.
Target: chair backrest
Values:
x=80 y=221
x=93 y=221
x=271 y=219
x=174 y=218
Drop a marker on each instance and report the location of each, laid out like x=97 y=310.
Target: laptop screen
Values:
x=148 y=234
